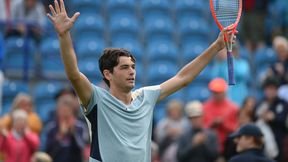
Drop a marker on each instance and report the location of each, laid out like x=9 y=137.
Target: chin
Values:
x=132 y=86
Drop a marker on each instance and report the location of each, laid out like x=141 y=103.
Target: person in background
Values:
x=1 y=68
x=169 y=129
x=24 y=102
x=67 y=137
x=67 y=94
x=238 y=92
x=245 y=116
x=249 y=106
x=280 y=68
x=41 y=157
x=29 y=17
x=252 y=32
x=19 y=143
x=220 y=113
x=5 y=10
x=274 y=112
x=154 y=152
x=249 y=141
x=198 y=144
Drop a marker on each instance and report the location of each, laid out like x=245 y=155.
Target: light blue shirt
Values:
x=119 y=132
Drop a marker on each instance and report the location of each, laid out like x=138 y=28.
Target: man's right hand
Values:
x=59 y=18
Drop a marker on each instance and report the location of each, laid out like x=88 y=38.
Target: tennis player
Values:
x=120 y=121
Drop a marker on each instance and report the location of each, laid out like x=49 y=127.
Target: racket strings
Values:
x=226 y=11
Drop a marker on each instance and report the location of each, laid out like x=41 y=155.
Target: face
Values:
x=243 y=143
x=244 y=118
x=219 y=96
x=251 y=102
x=282 y=51
x=196 y=122
x=123 y=75
x=270 y=92
x=175 y=113
x=71 y=100
x=25 y=104
x=20 y=124
x=30 y=3
x=64 y=112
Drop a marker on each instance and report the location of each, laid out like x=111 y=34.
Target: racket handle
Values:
x=231 y=80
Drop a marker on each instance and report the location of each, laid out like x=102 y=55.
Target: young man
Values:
x=120 y=120
x=249 y=141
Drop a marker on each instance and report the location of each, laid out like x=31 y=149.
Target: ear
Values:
x=107 y=74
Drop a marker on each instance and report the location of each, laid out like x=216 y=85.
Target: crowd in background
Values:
x=190 y=131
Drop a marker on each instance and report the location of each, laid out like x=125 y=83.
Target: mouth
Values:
x=131 y=80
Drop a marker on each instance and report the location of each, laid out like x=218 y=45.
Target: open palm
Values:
x=59 y=18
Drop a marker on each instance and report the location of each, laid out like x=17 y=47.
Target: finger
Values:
x=75 y=16
x=228 y=29
x=52 y=10
x=62 y=5
x=57 y=6
x=50 y=17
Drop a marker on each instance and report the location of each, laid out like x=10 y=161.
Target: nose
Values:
x=132 y=71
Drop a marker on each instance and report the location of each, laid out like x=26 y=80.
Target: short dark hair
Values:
x=271 y=81
x=110 y=59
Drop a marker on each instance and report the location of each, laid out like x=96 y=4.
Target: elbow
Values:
x=184 y=81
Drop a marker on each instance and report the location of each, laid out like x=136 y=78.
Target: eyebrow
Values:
x=125 y=65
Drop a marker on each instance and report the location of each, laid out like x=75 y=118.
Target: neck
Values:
x=124 y=96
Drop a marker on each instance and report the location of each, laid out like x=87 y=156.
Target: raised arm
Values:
x=63 y=24
x=189 y=72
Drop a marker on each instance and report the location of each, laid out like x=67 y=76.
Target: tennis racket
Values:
x=226 y=14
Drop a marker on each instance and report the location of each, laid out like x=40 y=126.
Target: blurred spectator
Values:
x=276 y=112
x=249 y=106
x=249 y=140
x=20 y=143
x=68 y=91
x=154 y=152
x=1 y=68
x=68 y=95
x=67 y=137
x=245 y=116
x=253 y=23
x=29 y=16
x=238 y=92
x=270 y=148
x=169 y=130
x=198 y=143
x=219 y=112
x=24 y=102
x=5 y=9
x=280 y=68
x=41 y=157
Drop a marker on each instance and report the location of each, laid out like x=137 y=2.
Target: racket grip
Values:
x=231 y=80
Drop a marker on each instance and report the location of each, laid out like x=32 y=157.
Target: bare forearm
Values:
x=191 y=70
x=69 y=57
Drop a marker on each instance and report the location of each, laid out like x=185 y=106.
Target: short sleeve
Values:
x=92 y=102
x=153 y=93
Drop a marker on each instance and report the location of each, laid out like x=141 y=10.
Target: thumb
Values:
x=75 y=16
